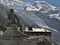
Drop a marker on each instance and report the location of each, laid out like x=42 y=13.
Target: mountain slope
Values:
x=16 y=4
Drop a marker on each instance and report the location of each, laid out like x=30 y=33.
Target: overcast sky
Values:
x=53 y=2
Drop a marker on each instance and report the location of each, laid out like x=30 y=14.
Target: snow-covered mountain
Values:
x=45 y=8
x=41 y=5
x=16 y=4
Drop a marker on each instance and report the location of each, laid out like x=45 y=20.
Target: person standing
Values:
x=12 y=18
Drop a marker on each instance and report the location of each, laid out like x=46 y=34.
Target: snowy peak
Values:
x=36 y=6
x=45 y=3
x=16 y=4
x=45 y=8
x=40 y=5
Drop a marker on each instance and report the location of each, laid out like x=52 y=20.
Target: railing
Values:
x=38 y=33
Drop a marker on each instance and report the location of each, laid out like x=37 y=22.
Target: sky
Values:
x=53 y=2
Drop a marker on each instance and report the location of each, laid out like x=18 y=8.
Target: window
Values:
x=29 y=28
x=1 y=33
